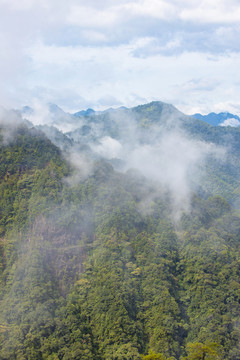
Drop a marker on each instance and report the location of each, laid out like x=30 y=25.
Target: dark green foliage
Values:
x=96 y=271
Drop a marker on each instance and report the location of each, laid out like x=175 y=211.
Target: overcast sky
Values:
x=104 y=53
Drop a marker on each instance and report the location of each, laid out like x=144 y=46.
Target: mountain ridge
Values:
x=94 y=265
x=103 y=263
x=220 y=119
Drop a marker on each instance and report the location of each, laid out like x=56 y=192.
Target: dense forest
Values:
x=94 y=264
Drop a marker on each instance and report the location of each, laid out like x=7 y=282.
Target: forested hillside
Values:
x=94 y=264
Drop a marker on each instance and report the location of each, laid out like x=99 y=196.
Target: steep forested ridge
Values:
x=93 y=266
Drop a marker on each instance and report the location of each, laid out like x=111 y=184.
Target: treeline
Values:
x=95 y=267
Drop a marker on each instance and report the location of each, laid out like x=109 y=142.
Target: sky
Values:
x=110 y=53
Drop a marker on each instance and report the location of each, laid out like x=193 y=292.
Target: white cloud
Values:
x=155 y=8
x=214 y=12
x=109 y=13
x=227 y=106
x=86 y=16
x=94 y=36
x=108 y=147
x=98 y=49
x=166 y=155
x=91 y=16
x=231 y=122
x=101 y=72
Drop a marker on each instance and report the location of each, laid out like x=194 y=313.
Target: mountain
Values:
x=118 y=122
x=102 y=263
x=87 y=112
x=156 y=134
x=221 y=119
x=50 y=115
x=90 y=112
x=137 y=137
x=56 y=136
x=27 y=110
x=152 y=135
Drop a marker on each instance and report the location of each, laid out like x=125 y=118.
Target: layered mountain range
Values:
x=151 y=137
x=221 y=119
x=119 y=235
x=57 y=117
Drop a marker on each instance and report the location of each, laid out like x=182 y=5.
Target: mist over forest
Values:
x=119 y=235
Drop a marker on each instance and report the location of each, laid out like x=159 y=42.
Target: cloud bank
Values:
x=80 y=53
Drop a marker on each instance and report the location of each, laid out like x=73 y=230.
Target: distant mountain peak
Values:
x=27 y=110
x=220 y=119
x=87 y=112
x=55 y=109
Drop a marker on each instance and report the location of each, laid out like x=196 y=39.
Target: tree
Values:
x=199 y=351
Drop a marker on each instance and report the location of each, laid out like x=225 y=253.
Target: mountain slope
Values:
x=96 y=266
